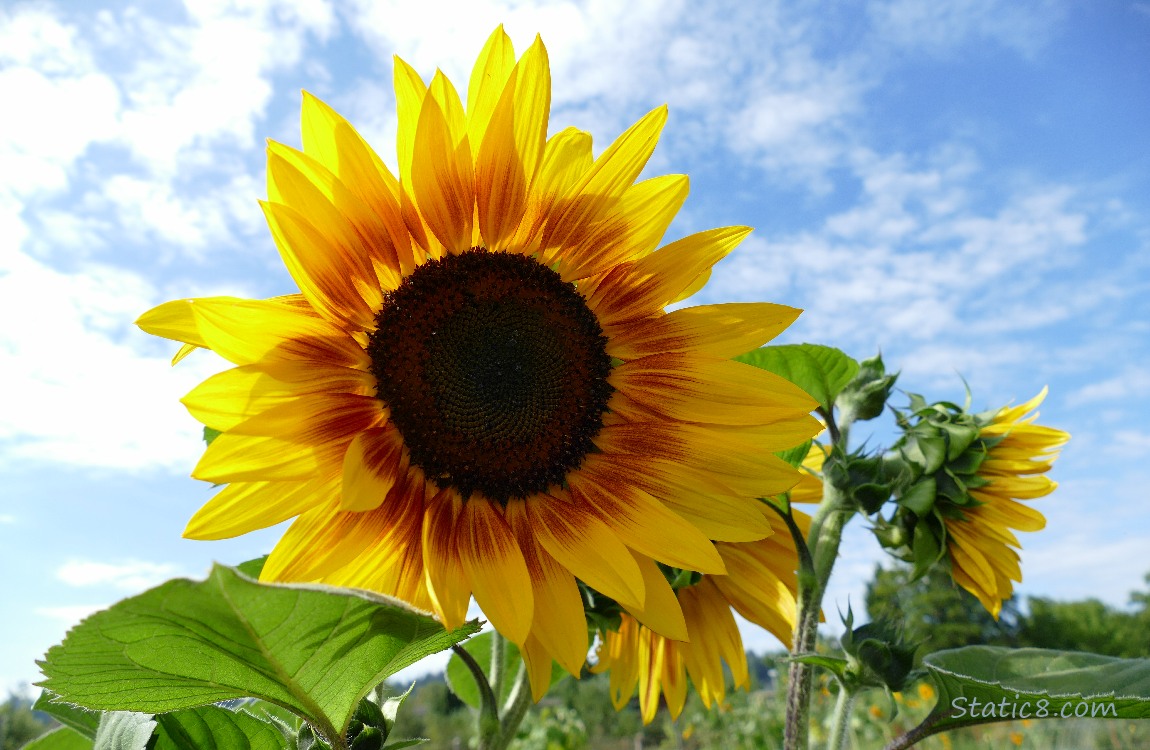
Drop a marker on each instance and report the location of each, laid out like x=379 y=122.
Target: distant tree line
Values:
x=942 y=615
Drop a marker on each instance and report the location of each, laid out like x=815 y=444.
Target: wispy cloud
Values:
x=68 y=614
x=133 y=575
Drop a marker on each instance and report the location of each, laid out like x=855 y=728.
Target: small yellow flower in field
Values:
x=1028 y=723
x=946 y=743
x=1016 y=738
x=875 y=712
x=898 y=696
x=925 y=691
x=477 y=389
x=688 y=731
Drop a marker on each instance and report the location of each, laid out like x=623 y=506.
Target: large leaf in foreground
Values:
x=983 y=684
x=314 y=650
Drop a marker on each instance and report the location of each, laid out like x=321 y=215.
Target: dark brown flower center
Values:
x=495 y=372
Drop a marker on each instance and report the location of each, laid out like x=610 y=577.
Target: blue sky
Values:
x=964 y=184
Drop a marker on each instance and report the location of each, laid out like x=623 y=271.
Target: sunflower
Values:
x=981 y=542
x=477 y=390
x=761 y=585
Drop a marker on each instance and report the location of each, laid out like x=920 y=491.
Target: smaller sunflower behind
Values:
x=982 y=543
x=974 y=474
x=761 y=585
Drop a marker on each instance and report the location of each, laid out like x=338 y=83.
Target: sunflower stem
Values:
x=487 y=723
x=834 y=512
x=515 y=708
x=840 y=719
x=498 y=668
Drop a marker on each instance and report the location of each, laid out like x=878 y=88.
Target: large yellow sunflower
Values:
x=981 y=543
x=477 y=390
x=761 y=585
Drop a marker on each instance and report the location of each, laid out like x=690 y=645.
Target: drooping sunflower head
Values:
x=477 y=390
x=972 y=472
x=760 y=584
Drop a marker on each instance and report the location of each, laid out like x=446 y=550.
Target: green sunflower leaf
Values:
x=313 y=650
x=795 y=456
x=82 y=720
x=821 y=371
x=985 y=684
x=60 y=738
x=216 y=728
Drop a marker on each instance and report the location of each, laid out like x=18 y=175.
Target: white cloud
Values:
x=69 y=614
x=914 y=265
x=89 y=397
x=133 y=575
x=1131 y=385
x=64 y=103
x=940 y=26
x=735 y=76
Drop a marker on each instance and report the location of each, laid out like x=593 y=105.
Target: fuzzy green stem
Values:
x=487 y=723
x=826 y=532
x=498 y=669
x=518 y=702
x=840 y=720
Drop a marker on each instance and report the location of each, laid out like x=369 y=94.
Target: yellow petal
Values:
x=364 y=236
x=609 y=177
x=342 y=289
x=488 y=80
x=239 y=458
x=660 y=611
x=762 y=583
x=319 y=542
x=319 y=419
x=731 y=460
x=332 y=141
x=374 y=462
x=629 y=228
x=698 y=388
x=537 y=661
x=493 y=562
x=696 y=496
x=720 y=331
x=559 y=623
x=447 y=584
x=512 y=148
x=249 y=331
x=229 y=397
x=442 y=179
x=566 y=158
x=641 y=521
x=585 y=545
x=639 y=289
x=410 y=91
x=242 y=507
x=175 y=320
